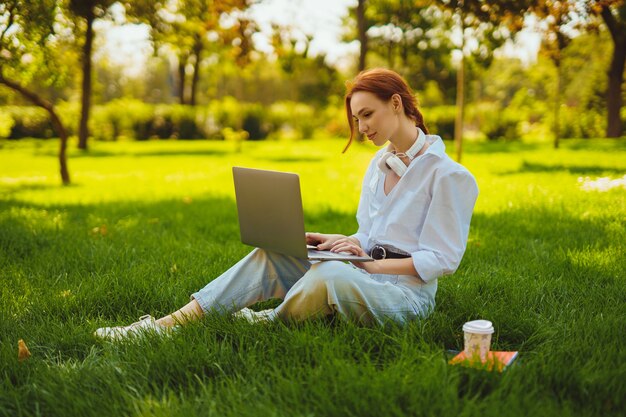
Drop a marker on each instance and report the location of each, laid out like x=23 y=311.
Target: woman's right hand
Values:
x=325 y=241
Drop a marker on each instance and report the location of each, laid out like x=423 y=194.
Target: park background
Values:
x=116 y=200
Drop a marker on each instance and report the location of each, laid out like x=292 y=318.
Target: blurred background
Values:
x=518 y=70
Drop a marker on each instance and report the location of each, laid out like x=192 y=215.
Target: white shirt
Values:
x=427 y=213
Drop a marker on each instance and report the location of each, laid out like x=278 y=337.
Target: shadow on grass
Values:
x=162 y=230
x=497 y=146
x=288 y=159
x=10 y=190
x=503 y=146
x=533 y=167
x=138 y=154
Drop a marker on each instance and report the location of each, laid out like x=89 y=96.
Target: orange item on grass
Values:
x=22 y=350
x=496 y=360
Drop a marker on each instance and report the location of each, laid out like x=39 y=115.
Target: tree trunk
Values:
x=616 y=73
x=614 y=92
x=460 y=107
x=182 y=63
x=460 y=96
x=362 y=29
x=56 y=123
x=557 y=104
x=197 y=51
x=390 y=55
x=83 y=129
x=404 y=51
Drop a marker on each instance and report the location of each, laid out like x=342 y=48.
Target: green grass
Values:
x=146 y=224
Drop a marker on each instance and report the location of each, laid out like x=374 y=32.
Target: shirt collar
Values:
x=436 y=146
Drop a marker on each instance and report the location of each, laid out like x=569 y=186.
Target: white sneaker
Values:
x=146 y=325
x=252 y=316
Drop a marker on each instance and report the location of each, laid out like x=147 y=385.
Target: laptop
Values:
x=269 y=206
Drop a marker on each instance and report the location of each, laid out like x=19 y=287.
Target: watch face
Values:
x=378 y=252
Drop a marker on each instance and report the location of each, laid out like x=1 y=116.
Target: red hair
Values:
x=383 y=83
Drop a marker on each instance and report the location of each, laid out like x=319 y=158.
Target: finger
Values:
x=347 y=240
x=324 y=246
x=346 y=247
x=341 y=241
x=337 y=246
x=357 y=250
x=313 y=238
x=327 y=245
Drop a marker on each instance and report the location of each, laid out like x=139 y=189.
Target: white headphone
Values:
x=390 y=161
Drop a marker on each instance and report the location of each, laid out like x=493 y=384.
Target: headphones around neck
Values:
x=390 y=161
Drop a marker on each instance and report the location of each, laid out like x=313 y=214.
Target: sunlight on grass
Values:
x=166 y=170
x=601 y=184
x=145 y=224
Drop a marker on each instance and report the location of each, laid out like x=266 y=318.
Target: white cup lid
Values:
x=478 y=326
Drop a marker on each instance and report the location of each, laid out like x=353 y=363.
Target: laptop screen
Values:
x=269 y=207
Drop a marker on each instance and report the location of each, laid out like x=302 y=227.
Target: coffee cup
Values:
x=477 y=339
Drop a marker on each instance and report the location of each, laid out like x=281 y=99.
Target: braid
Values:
x=419 y=120
x=410 y=109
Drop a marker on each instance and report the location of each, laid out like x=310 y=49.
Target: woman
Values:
x=414 y=215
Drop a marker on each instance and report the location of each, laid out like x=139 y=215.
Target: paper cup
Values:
x=477 y=339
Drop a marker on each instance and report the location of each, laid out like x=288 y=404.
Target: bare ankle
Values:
x=167 y=321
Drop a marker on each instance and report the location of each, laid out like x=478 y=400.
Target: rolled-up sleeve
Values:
x=443 y=238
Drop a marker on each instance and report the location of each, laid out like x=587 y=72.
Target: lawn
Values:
x=146 y=224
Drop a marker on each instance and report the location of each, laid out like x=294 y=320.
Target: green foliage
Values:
x=237 y=137
x=121 y=118
x=575 y=123
x=183 y=120
x=334 y=115
x=430 y=95
x=544 y=262
x=311 y=79
x=6 y=125
x=194 y=30
x=496 y=122
x=585 y=62
x=27 y=121
x=226 y=113
x=32 y=52
x=412 y=38
x=133 y=119
x=254 y=122
x=293 y=120
x=507 y=101
x=440 y=120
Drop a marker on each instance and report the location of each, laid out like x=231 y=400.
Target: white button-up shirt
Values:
x=427 y=213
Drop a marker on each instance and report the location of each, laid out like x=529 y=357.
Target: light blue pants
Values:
x=318 y=289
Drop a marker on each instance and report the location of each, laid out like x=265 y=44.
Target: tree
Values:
x=310 y=77
x=27 y=51
x=558 y=17
x=357 y=24
x=418 y=32
x=414 y=38
x=362 y=33
x=88 y=11
x=192 y=28
x=613 y=13
x=491 y=22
